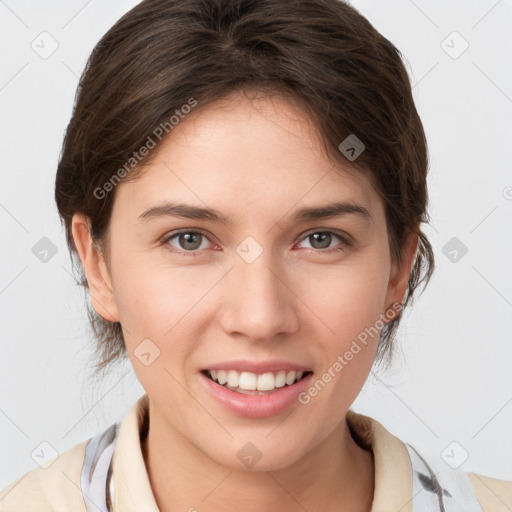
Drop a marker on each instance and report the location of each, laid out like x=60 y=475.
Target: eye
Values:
x=320 y=240
x=187 y=241
x=192 y=243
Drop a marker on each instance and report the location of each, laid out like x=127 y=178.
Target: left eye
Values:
x=322 y=239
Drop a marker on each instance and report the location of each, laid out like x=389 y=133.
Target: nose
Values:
x=258 y=301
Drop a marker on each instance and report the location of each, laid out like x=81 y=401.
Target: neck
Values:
x=338 y=475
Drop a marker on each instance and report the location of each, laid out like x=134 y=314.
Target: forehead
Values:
x=235 y=154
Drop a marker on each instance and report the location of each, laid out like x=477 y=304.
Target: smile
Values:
x=255 y=384
x=256 y=389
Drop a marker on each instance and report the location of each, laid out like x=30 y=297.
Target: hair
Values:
x=165 y=56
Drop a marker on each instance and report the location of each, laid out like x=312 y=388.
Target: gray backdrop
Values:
x=450 y=389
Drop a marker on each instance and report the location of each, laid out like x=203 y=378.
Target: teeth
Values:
x=233 y=378
x=266 y=382
x=290 y=377
x=248 y=381
x=221 y=376
x=280 y=380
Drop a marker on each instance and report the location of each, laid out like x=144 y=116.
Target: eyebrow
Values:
x=186 y=211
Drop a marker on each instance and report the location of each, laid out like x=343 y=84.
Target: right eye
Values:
x=188 y=242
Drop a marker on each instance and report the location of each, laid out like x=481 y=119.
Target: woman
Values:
x=244 y=183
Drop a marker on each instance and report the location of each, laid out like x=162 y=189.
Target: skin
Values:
x=256 y=160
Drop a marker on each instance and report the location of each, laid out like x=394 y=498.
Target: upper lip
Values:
x=258 y=367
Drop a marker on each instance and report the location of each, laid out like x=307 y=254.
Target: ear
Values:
x=98 y=278
x=399 y=276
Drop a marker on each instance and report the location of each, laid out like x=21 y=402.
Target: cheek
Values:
x=157 y=307
x=152 y=297
x=347 y=339
x=349 y=302
x=347 y=298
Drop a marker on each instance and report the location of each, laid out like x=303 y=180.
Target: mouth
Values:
x=249 y=383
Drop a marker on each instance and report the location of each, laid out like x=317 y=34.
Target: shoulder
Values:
x=52 y=488
x=456 y=487
x=421 y=480
x=494 y=495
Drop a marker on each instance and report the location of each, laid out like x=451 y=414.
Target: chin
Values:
x=256 y=456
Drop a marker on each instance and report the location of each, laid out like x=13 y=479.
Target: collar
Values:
x=393 y=484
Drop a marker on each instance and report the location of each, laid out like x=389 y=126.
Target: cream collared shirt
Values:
x=58 y=488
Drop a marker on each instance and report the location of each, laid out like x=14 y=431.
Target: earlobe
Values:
x=98 y=279
x=399 y=277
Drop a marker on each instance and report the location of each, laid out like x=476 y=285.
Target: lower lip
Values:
x=257 y=406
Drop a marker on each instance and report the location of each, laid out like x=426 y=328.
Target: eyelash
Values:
x=345 y=241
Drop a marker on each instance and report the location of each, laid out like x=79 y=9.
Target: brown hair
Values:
x=165 y=54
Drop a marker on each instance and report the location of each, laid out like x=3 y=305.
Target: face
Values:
x=276 y=286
